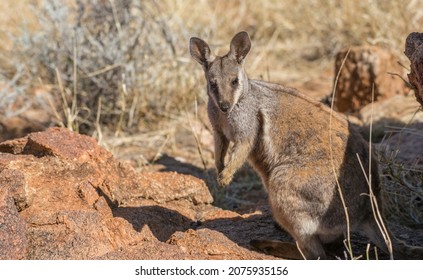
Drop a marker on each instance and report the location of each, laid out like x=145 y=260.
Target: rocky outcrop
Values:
x=364 y=67
x=414 y=52
x=62 y=196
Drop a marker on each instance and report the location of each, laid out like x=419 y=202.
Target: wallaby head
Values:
x=226 y=78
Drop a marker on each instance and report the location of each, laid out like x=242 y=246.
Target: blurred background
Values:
x=125 y=64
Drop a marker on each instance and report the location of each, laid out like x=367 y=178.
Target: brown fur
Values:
x=289 y=139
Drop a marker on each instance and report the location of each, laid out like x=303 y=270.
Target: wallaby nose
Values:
x=224 y=106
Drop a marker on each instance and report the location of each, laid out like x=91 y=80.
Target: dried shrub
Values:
x=402 y=179
x=122 y=54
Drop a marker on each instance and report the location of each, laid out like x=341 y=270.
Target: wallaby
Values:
x=300 y=148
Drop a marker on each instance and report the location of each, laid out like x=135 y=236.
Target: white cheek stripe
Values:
x=238 y=91
x=212 y=95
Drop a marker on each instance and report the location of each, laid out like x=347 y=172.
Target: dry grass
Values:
x=403 y=182
x=134 y=53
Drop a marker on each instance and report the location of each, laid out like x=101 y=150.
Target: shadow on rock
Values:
x=171 y=164
x=162 y=222
x=211 y=231
x=245 y=191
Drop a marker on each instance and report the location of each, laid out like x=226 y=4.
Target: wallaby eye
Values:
x=213 y=86
x=234 y=82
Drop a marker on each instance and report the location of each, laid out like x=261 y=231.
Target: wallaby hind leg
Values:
x=400 y=249
x=311 y=247
x=335 y=248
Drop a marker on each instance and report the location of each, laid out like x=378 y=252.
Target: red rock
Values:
x=364 y=67
x=218 y=247
x=64 y=144
x=75 y=201
x=147 y=250
x=13 y=240
x=164 y=187
x=15 y=146
x=414 y=52
x=65 y=197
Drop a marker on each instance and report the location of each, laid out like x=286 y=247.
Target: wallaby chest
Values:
x=227 y=129
x=240 y=124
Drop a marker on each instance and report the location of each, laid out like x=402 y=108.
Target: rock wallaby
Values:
x=301 y=150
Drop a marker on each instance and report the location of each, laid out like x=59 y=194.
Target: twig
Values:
x=376 y=254
x=197 y=141
x=159 y=151
x=368 y=251
x=56 y=114
x=347 y=218
x=97 y=123
x=65 y=105
x=123 y=94
x=403 y=66
x=299 y=249
x=75 y=80
x=404 y=80
x=116 y=19
x=373 y=201
x=103 y=70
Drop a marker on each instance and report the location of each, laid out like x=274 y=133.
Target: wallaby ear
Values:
x=240 y=46
x=199 y=50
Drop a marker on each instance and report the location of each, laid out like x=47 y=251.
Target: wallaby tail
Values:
x=402 y=251
x=278 y=249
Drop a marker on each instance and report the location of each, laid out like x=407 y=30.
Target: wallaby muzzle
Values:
x=224 y=106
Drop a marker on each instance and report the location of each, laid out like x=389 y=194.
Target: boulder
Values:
x=56 y=185
x=414 y=52
x=364 y=67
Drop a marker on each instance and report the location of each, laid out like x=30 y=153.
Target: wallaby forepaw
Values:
x=224 y=179
x=219 y=168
